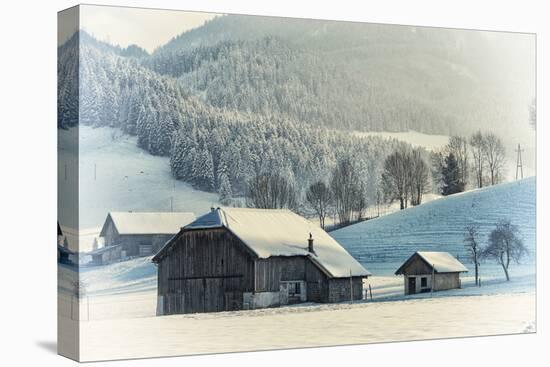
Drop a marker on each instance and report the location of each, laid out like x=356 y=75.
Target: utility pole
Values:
x=519 y=163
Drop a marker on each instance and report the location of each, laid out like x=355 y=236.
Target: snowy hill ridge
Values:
x=440 y=225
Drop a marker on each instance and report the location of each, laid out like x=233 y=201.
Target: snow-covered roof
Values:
x=103 y=249
x=148 y=223
x=442 y=262
x=269 y=232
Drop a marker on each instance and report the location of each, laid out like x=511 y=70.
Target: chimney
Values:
x=310 y=244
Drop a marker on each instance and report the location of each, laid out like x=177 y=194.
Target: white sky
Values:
x=147 y=28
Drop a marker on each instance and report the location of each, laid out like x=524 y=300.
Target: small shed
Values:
x=237 y=258
x=135 y=234
x=425 y=270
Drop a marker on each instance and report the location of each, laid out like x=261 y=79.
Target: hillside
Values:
x=439 y=224
x=354 y=75
x=116 y=175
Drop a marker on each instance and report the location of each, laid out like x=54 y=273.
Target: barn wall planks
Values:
x=445 y=281
x=209 y=268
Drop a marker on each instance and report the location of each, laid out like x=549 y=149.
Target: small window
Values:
x=294 y=288
x=424 y=282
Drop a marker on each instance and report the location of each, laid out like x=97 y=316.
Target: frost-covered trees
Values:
x=458 y=145
x=495 y=155
x=419 y=176
x=396 y=178
x=477 y=142
x=319 y=197
x=270 y=191
x=202 y=170
x=405 y=177
x=218 y=136
x=347 y=190
x=505 y=245
x=225 y=191
x=489 y=155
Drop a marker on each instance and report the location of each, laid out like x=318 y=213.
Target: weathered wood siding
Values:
x=417 y=267
x=317 y=283
x=339 y=289
x=445 y=281
x=205 y=271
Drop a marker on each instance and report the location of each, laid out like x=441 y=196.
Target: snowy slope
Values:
x=439 y=225
x=116 y=175
x=137 y=275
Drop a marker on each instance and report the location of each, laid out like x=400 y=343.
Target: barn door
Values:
x=412 y=285
x=193 y=296
x=214 y=297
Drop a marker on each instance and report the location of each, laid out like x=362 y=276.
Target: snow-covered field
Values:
x=319 y=325
x=116 y=175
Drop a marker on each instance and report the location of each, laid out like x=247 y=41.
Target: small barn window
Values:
x=294 y=288
x=424 y=282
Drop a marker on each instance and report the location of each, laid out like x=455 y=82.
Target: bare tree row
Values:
x=405 y=177
x=344 y=194
x=483 y=155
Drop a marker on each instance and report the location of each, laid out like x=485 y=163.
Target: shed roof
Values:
x=148 y=223
x=270 y=232
x=442 y=262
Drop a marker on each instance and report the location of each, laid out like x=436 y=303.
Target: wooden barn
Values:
x=235 y=258
x=424 y=269
x=133 y=234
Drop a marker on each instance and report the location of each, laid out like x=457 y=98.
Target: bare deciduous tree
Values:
x=458 y=145
x=396 y=177
x=345 y=185
x=419 y=177
x=270 y=191
x=477 y=142
x=495 y=155
x=505 y=245
x=319 y=197
x=473 y=247
x=359 y=202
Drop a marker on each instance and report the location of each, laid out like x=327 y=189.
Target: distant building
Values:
x=235 y=258
x=133 y=234
x=425 y=269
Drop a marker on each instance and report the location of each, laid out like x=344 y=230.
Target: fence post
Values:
x=370 y=290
